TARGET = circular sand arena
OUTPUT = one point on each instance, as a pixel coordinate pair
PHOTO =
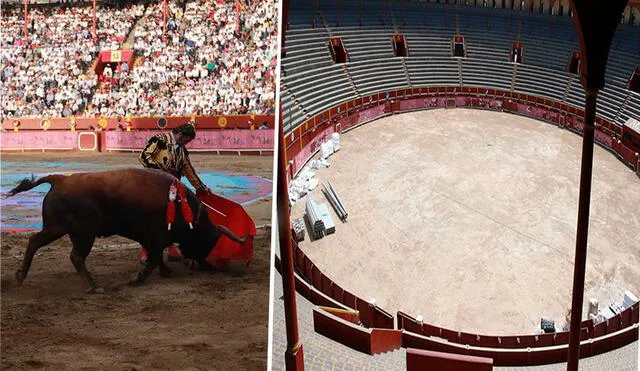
(468, 218)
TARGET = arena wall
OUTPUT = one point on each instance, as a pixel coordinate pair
(504, 350)
(236, 140)
(304, 141)
(141, 123)
(626, 318)
(418, 359)
(220, 134)
(328, 322)
(40, 140)
(525, 356)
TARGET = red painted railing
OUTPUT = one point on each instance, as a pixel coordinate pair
(303, 141)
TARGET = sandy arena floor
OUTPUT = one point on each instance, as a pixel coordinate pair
(468, 218)
(192, 320)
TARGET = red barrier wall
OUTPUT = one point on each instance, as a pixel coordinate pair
(369, 341)
(418, 360)
(525, 356)
(385, 340)
(303, 141)
(348, 315)
(236, 140)
(370, 315)
(344, 332)
(145, 123)
(376, 318)
(89, 141)
(39, 140)
(625, 319)
(505, 350)
(309, 292)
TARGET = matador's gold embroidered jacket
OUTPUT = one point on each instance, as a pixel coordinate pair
(163, 153)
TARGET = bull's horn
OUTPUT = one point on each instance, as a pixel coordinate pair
(230, 234)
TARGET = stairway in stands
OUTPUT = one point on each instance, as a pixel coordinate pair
(91, 71)
(130, 40)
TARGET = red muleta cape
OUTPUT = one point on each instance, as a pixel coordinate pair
(237, 220)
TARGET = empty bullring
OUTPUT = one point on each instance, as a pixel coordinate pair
(320, 97)
(467, 218)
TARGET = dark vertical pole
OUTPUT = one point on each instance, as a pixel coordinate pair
(596, 22)
(338, 10)
(293, 356)
(583, 228)
(362, 10)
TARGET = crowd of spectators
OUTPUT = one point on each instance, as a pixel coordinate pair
(217, 57)
(210, 61)
(44, 73)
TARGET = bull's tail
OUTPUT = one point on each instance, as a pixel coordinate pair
(228, 233)
(27, 184)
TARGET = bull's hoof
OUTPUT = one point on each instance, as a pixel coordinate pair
(20, 276)
(95, 290)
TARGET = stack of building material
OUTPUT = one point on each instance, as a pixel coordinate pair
(329, 225)
(629, 299)
(615, 308)
(298, 229)
(305, 182)
(326, 149)
(335, 201)
(314, 217)
(547, 325)
(593, 308)
(335, 138)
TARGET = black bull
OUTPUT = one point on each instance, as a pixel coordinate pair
(131, 203)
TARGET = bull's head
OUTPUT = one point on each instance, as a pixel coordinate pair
(197, 243)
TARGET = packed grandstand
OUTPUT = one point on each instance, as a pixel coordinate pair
(214, 57)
